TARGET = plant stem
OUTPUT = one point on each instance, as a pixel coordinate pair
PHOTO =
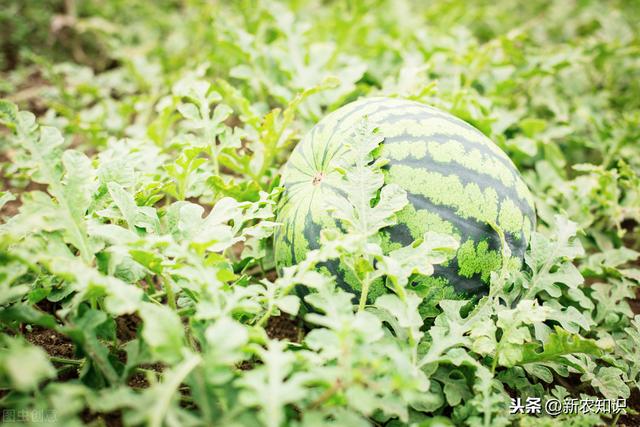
(364, 294)
(66, 361)
(265, 316)
(170, 386)
(214, 159)
(326, 395)
(171, 298)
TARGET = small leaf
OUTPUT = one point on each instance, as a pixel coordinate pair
(25, 365)
(559, 344)
(532, 126)
(163, 331)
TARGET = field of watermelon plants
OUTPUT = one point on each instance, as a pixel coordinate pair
(180, 246)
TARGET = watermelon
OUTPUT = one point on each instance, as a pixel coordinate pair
(457, 182)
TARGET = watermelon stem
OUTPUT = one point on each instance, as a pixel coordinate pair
(363, 294)
(168, 287)
(505, 251)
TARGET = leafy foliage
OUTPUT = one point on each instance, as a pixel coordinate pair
(139, 197)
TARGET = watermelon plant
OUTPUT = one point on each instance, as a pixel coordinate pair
(312, 213)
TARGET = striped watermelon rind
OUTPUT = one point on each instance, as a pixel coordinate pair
(457, 181)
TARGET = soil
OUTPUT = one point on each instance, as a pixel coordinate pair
(285, 327)
(138, 380)
(112, 419)
(54, 343)
(635, 304)
(127, 327)
(631, 420)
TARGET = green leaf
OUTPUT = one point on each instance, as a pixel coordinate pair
(163, 331)
(28, 314)
(84, 332)
(550, 259)
(211, 233)
(405, 312)
(70, 181)
(558, 344)
(78, 183)
(270, 387)
(25, 365)
(608, 380)
(189, 111)
(225, 338)
(419, 258)
(8, 113)
(361, 183)
(125, 203)
(532, 126)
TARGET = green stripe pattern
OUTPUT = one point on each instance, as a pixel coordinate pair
(458, 182)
